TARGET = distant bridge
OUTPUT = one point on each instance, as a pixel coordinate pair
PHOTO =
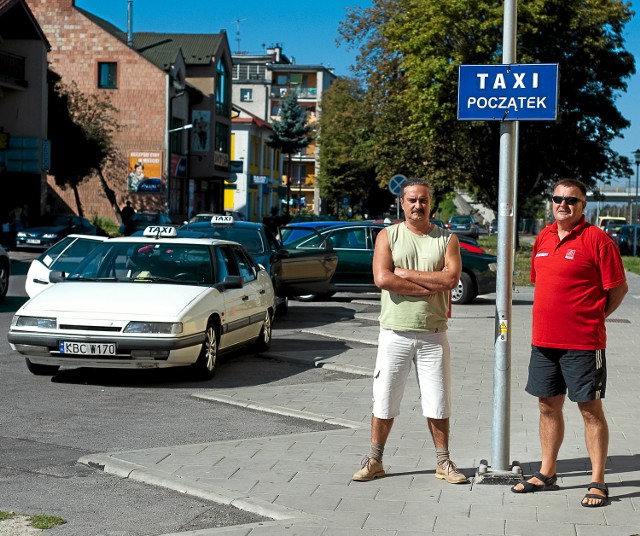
(615, 194)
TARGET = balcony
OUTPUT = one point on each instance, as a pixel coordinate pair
(12, 72)
(280, 92)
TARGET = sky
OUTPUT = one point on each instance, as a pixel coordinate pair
(308, 32)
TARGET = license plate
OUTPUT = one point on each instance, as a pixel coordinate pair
(88, 348)
(32, 241)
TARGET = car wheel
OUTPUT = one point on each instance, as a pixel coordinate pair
(283, 307)
(205, 366)
(465, 291)
(264, 339)
(41, 370)
(4, 281)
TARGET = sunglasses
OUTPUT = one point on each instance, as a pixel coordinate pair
(558, 199)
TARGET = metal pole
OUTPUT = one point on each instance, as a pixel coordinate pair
(635, 220)
(502, 364)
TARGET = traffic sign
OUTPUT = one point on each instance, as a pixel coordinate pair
(525, 92)
(396, 183)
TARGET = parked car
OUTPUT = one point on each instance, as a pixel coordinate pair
(625, 239)
(5, 273)
(153, 301)
(293, 231)
(141, 220)
(612, 230)
(52, 228)
(64, 256)
(493, 227)
(354, 244)
(314, 268)
(463, 225)
(206, 216)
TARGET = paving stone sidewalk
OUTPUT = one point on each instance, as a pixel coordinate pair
(303, 481)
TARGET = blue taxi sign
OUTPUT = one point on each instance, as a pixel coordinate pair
(525, 92)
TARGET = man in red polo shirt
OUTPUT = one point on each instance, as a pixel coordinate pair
(580, 280)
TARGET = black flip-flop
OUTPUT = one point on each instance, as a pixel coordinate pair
(603, 499)
(548, 484)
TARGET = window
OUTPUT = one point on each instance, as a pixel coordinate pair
(107, 75)
(248, 269)
(246, 95)
(222, 98)
(222, 138)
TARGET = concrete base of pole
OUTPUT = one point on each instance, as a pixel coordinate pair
(486, 475)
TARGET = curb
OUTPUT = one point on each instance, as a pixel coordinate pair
(133, 471)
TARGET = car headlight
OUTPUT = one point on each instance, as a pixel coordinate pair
(493, 266)
(21, 234)
(34, 322)
(165, 328)
(50, 235)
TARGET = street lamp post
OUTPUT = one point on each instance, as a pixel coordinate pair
(636, 155)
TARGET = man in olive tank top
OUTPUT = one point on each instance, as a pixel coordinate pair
(415, 264)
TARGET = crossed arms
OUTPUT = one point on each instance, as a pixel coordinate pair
(414, 282)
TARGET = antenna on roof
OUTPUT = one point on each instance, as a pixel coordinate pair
(238, 20)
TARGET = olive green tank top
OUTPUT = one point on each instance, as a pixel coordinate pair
(425, 253)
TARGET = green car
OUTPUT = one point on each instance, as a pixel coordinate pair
(353, 242)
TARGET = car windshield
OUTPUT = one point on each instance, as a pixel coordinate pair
(251, 239)
(460, 219)
(147, 261)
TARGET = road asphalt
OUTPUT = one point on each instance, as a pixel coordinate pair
(302, 482)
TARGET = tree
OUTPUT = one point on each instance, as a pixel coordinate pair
(291, 133)
(347, 166)
(81, 137)
(427, 40)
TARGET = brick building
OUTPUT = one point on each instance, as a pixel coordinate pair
(167, 88)
(23, 108)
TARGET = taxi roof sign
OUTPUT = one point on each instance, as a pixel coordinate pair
(160, 231)
(221, 218)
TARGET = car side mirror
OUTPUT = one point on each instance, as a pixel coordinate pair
(233, 281)
(55, 276)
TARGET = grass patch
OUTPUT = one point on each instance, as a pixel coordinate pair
(37, 521)
(45, 522)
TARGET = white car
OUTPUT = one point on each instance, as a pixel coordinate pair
(153, 301)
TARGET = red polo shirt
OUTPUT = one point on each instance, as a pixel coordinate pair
(572, 277)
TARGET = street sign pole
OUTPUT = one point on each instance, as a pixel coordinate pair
(396, 184)
(500, 471)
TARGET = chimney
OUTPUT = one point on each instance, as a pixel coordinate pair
(130, 23)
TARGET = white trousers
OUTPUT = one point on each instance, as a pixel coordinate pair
(431, 356)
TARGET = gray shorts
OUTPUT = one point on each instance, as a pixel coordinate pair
(430, 354)
(553, 371)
